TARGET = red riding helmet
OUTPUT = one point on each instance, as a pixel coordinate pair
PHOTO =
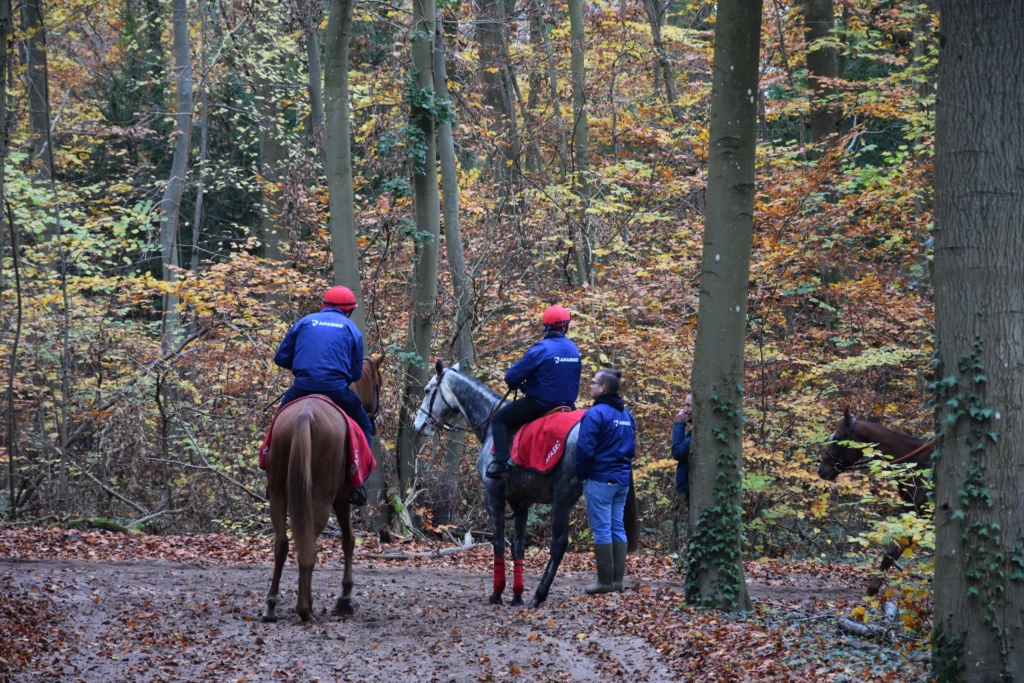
(556, 316)
(340, 297)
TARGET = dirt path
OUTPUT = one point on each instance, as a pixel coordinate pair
(161, 621)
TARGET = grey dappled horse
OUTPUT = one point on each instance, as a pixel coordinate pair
(450, 393)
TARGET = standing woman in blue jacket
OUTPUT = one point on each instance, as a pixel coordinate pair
(549, 376)
(605, 448)
(324, 351)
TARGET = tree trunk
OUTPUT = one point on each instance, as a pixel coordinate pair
(580, 140)
(979, 470)
(463, 340)
(426, 203)
(5, 229)
(654, 19)
(819, 18)
(714, 575)
(315, 75)
(204, 139)
(338, 149)
(556, 108)
(170, 205)
(36, 77)
(491, 33)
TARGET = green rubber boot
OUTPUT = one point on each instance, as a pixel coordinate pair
(619, 549)
(605, 570)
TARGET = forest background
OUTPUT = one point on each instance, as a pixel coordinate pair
(154, 254)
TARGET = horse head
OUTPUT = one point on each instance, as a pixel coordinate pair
(838, 457)
(439, 405)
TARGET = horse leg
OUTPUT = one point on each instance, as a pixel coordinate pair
(278, 517)
(521, 513)
(889, 560)
(559, 543)
(345, 606)
(496, 508)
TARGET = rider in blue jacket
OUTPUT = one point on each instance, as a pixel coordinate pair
(324, 351)
(548, 375)
(605, 447)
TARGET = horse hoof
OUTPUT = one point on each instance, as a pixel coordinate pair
(269, 619)
(495, 599)
(874, 586)
(535, 603)
(517, 601)
(345, 609)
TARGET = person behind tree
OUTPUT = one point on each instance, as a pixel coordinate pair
(605, 448)
(549, 376)
(682, 435)
(324, 351)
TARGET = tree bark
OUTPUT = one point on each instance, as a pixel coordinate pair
(272, 149)
(426, 202)
(714, 557)
(492, 34)
(580, 139)
(556, 108)
(204, 140)
(463, 339)
(6, 228)
(170, 205)
(36, 77)
(819, 18)
(654, 19)
(338, 149)
(314, 73)
(979, 211)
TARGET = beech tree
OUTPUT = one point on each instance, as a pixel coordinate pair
(979, 388)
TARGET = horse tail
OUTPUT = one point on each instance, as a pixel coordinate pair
(300, 482)
(631, 519)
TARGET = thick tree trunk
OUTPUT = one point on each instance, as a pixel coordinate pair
(492, 34)
(580, 139)
(204, 139)
(36, 77)
(338, 149)
(314, 74)
(714, 557)
(170, 205)
(427, 207)
(445, 497)
(819, 18)
(979, 469)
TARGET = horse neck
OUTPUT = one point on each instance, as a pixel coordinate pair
(476, 402)
(892, 443)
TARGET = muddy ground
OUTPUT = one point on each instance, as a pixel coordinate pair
(160, 621)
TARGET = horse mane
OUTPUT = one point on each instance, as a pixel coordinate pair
(893, 432)
(474, 382)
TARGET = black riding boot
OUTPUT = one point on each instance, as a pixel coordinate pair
(497, 469)
(619, 549)
(357, 496)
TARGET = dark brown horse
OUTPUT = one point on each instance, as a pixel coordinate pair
(845, 453)
(307, 476)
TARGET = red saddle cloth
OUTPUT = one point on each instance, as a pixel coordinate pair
(539, 445)
(360, 459)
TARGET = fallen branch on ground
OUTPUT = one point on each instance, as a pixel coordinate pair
(863, 630)
(440, 552)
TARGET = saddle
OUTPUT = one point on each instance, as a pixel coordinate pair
(539, 445)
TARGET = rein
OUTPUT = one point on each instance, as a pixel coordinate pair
(910, 455)
(455, 428)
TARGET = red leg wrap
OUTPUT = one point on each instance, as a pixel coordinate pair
(499, 575)
(517, 577)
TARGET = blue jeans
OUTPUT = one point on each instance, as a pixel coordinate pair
(346, 399)
(606, 504)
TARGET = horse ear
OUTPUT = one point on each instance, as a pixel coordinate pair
(847, 418)
(456, 366)
(378, 360)
(438, 366)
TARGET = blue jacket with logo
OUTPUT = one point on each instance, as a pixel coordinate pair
(323, 350)
(606, 443)
(549, 372)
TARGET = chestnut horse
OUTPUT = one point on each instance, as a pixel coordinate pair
(842, 455)
(307, 476)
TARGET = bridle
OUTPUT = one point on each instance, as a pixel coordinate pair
(447, 427)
